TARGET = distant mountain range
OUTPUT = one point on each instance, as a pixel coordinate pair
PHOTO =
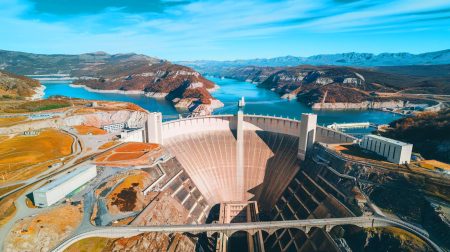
(340, 59)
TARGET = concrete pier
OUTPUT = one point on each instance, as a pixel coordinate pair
(240, 154)
(308, 124)
(153, 127)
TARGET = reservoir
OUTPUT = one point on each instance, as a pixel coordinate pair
(258, 101)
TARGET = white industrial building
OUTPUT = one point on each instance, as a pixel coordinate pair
(394, 151)
(54, 191)
(115, 127)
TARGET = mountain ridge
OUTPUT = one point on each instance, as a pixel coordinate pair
(338, 59)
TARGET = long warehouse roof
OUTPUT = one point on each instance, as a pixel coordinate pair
(64, 178)
(389, 140)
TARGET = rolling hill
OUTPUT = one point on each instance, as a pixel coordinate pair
(14, 86)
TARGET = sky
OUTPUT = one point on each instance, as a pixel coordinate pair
(224, 30)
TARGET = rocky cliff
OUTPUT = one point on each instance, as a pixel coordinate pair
(336, 87)
(134, 119)
(311, 84)
(161, 79)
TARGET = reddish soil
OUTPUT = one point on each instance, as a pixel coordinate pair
(129, 154)
(124, 156)
(133, 147)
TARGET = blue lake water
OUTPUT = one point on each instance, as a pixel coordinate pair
(151, 104)
(258, 101)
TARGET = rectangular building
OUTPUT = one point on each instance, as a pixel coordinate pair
(54, 191)
(115, 127)
(394, 151)
(133, 135)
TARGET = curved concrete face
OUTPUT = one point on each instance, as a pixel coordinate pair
(210, 160)
(208, 149)
(270, 163)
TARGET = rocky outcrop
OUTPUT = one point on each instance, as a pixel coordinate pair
(134, 119)
(153, 242)
(151, 79)
(17, 86)
(197, 109)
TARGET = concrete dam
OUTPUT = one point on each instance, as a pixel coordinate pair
(255, 163)
(250, 183)
(236, 159)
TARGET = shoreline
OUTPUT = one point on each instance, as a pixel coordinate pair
(38, 93)
(155, 95)
(111, 91)
(214, 89)
(209, 108)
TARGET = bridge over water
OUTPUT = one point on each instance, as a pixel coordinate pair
(251, 227)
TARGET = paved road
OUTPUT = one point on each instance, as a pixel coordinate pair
(251, 227)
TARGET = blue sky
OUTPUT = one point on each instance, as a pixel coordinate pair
(190, 30)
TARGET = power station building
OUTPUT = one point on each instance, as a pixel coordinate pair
(54, 191)
(394, 151)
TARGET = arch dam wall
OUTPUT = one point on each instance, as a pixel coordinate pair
(207, 149)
